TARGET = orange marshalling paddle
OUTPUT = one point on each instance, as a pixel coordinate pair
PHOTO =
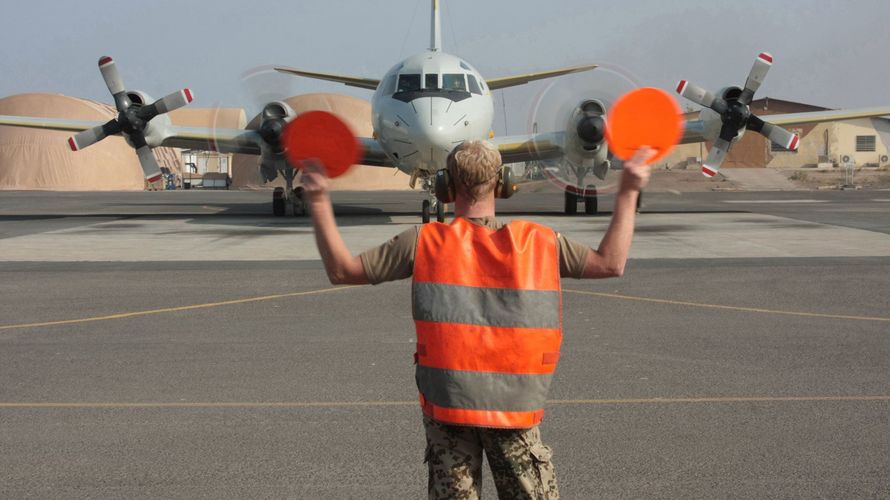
(322, 136)
(644, 117)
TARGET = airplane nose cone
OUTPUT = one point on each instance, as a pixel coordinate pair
(439, 128)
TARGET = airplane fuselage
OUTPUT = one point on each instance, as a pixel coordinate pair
(425, 106)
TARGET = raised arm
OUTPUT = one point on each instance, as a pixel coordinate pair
(609, 259)
(341, 266)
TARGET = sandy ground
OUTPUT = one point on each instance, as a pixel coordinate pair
(864, 178)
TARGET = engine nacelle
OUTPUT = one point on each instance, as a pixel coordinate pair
(585, 147)
(158, 128)
(275, 116)
(713, 122)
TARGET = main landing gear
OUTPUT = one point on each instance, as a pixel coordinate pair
(588, 196)
(284, 197)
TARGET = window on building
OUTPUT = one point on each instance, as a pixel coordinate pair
(779, 148)
(431, 81)
(865, 144)
(408, 83)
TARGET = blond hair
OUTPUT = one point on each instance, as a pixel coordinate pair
(473, 167)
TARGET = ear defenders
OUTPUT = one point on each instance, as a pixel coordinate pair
(445, 191)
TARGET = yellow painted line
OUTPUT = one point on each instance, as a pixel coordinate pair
(175, 309)
(728, 308)
(366, 404)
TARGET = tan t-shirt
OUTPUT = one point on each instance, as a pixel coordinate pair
(394, 260)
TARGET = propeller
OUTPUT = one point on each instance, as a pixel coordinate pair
(266, 91)
(734, 109)
(132, 119)
(575, 108)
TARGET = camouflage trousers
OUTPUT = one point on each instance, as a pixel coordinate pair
(520, 462)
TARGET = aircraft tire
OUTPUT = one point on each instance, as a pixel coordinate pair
(590, 200)
(278, 204)
(571, 207)
(440, 212)
(425, 211)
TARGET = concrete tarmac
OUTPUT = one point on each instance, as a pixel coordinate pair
(188, 345)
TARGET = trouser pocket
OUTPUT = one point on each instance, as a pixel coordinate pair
(542, 459)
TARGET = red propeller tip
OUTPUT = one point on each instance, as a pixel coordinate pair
(153, 178)
(72, 144)
(707, 171)
(766, 57)
(104, 60)
(794, 143)
(188, 95)
(681, 86)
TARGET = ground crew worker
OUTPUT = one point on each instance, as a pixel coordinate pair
(487, 310)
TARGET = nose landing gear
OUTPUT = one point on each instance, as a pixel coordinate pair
(431, 204)
(427, 207)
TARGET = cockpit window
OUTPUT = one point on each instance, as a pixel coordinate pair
(408, 83)
(431, 81)
(389, 85)
(474, 85)
(454, 81)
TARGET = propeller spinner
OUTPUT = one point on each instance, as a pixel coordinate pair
(131, 120)
(734, 109)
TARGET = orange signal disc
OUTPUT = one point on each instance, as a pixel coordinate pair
(321, 135)
(644, 117)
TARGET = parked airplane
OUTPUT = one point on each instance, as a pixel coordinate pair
(421, 109)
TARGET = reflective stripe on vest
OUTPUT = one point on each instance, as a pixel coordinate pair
(487, 309)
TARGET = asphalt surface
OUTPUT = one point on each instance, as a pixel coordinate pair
(762, 370)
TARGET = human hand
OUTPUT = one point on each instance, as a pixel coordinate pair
(315, 179)
(636, 171)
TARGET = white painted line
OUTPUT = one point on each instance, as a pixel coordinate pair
(881, 200)
(776, 201)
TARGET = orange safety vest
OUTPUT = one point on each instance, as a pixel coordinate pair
(488, 312)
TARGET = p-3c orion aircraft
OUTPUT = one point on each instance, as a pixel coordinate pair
(422, 108)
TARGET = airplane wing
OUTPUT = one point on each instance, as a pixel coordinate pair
(352, 81)
(694, 129)
(224, 140)
(790, 119)
(61, 125)
(512, 81)
(520, 148)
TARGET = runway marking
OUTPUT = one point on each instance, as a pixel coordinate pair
(777, 201)
(881, 200)
(174, 309)
(365, 404)
(728, 308)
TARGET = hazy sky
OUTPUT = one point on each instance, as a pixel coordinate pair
(829, 53)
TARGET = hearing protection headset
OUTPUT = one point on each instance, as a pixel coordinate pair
(445, 191)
